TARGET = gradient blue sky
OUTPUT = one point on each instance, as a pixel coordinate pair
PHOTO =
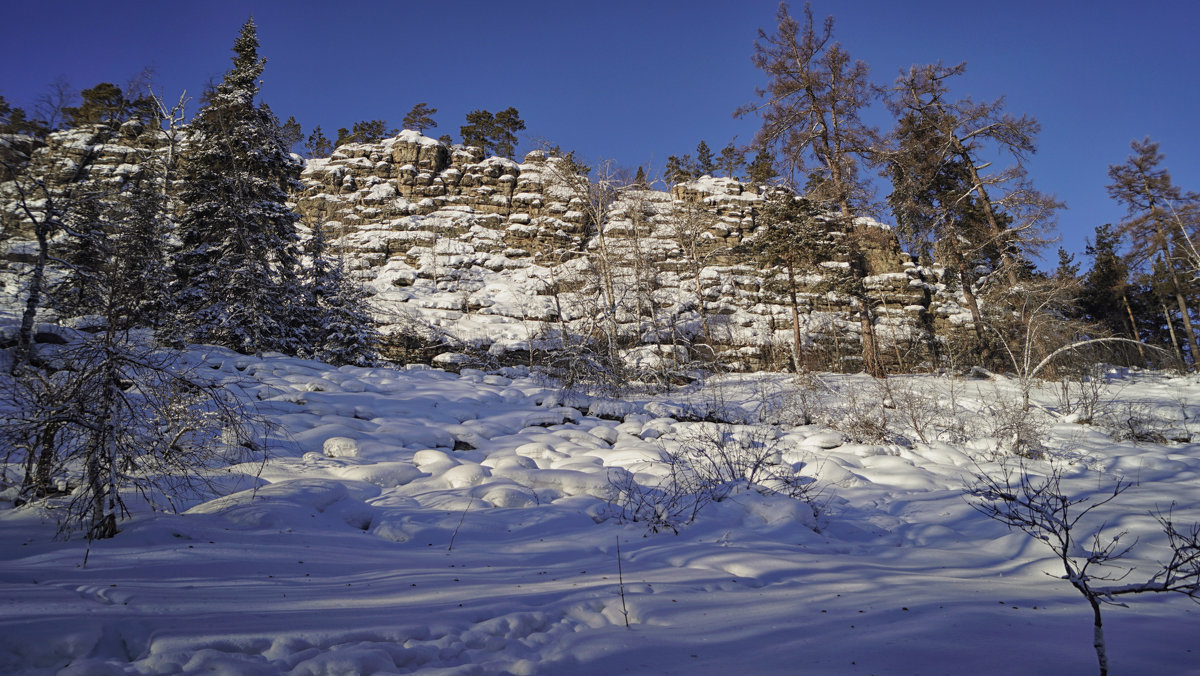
(636, 81)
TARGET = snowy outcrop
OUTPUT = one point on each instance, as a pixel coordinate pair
(491, 252)
(463, 252)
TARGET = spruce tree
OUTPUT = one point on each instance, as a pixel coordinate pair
(344, 332)
(1103, 297)
(236, 271)
(704, 160)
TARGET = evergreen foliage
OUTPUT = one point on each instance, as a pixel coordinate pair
(420, 118)
(1158, 229)
(318, 144)
(344, 331)
(236, 271)
(677, 170)
(1104, 289)
(108, 104)
(365, 131)
(495, 134)
(731, 159)
(761, 169)
(795, 238)
(639, 179)
(291, 133)
(704, 160)
(14, 120)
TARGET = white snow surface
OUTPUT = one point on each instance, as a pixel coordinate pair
(374, 546)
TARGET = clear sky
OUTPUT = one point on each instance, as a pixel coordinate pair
(638, 80)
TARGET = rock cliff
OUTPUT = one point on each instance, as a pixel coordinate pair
(464, 253)
(493, 253)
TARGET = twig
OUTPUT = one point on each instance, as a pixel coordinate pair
(460, 523)
(621, 583)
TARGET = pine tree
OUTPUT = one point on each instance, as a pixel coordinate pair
(795, 238)
(508, 123)
(674, 172)
(639, 179)
(1103, 296)
(236, 271)
(364, 131)
(731, 160)
(291, 132)
(102, 104)
(762, 168)
(478, 130)
(14, 120)
(318, 144)
(1014, 214)
(495, 134)
(420, 118)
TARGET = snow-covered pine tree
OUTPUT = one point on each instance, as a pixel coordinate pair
(345, 332)
(237, 269)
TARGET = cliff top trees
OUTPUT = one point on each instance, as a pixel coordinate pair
(420, 118)
(496, 134)
(364, 131)
(108, 104)
(236, 270)
(318, 145)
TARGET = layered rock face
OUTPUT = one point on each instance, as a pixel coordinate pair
(499, 258)
(500, 255)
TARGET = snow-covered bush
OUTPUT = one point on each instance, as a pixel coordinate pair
(1083, 392)
(105, 420)
(1138, 421)
(708, 463)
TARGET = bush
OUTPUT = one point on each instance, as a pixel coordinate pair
(711, 462)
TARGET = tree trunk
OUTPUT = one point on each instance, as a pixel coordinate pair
(1133, 329)
(797, 355)
(993, 222)
(870, 348)
(1193, 345)
(1174, 339)
(1098, 637)
(25, 336)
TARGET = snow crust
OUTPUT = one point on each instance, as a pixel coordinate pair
(418, 521)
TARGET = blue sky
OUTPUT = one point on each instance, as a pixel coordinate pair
(638, 81)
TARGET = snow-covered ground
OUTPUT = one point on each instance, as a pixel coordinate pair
(374, 546)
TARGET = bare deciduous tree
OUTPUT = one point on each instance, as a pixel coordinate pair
(811, 112)
(1042, 508)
